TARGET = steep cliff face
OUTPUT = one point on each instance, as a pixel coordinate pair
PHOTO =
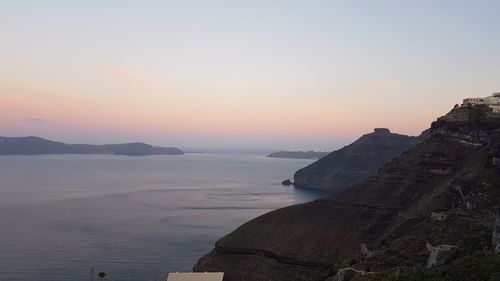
(349, 165)
(440, 192)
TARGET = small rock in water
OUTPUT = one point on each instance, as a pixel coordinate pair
(286, 182)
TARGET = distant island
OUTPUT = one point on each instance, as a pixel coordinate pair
(36, 145)
(298, 154)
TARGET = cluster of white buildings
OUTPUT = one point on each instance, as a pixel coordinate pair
(492, 101)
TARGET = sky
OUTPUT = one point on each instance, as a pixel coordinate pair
(240, 74)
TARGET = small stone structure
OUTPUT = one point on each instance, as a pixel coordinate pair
(473, 101)
(381, 131)
(492, 101)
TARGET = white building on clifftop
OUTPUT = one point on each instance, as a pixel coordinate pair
(492, 101)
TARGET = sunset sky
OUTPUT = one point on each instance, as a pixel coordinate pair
(240, 74)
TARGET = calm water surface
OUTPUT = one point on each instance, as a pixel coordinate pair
(136, 218)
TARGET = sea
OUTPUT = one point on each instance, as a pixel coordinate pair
(69, 217)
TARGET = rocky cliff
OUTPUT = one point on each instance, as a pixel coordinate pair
(351, 164)
(432, 206)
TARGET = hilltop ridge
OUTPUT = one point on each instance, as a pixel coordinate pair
(351, 164)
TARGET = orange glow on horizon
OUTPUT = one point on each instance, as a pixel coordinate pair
(193, 115)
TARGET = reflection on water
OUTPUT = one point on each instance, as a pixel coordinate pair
(132, 217)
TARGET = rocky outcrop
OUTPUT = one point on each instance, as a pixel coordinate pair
(390, 213)
(36, 145)
(476, 125)
(349, 165)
